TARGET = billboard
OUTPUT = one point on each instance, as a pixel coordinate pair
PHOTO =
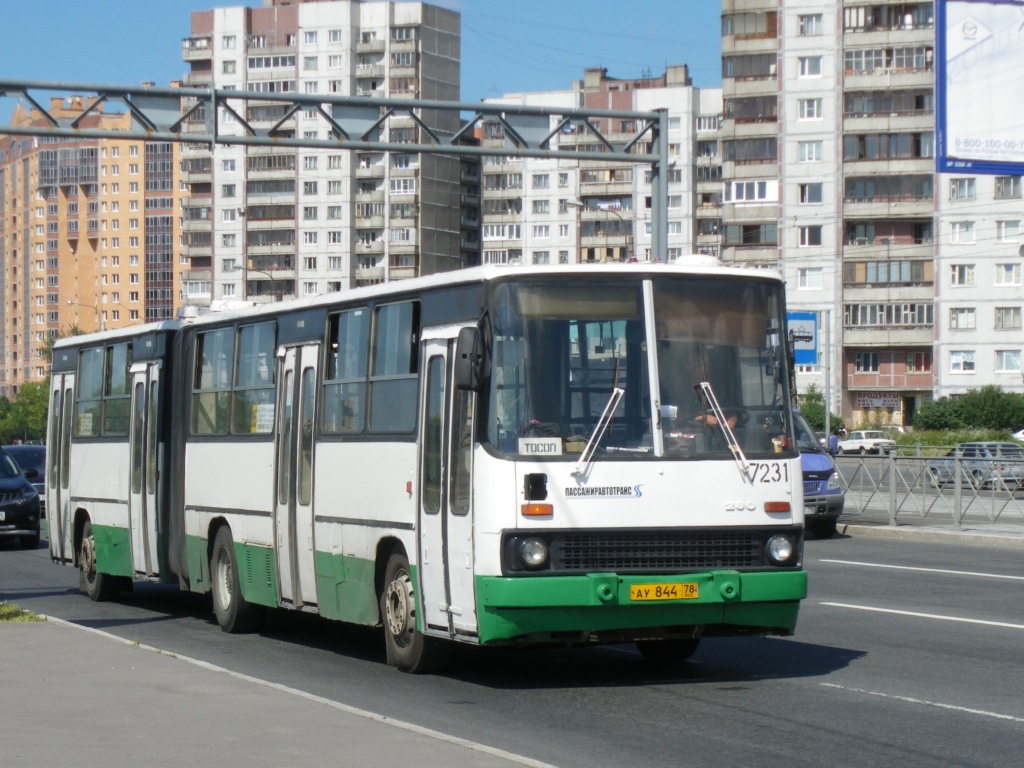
(979, 83)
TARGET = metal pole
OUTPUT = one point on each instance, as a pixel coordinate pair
(828, 374)
(659, 190)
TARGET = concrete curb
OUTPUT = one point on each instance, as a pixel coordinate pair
(967, 536)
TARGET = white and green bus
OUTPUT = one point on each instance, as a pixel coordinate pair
(500, 455)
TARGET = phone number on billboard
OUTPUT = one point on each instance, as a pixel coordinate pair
(1009, 146)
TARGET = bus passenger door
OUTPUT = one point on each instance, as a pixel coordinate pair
(143, 470)
(293, 518)
(446, 512)
(58, 456)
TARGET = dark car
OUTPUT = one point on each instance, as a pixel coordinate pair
(19, 504)
(32, 459)
(823, 495)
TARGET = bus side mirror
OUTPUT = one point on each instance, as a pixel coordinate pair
(470, 367)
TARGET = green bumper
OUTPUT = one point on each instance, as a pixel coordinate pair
(543, 608)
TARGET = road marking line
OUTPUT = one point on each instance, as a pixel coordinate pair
(940, 705)
(366, 714)
(926, 615)
(924, 570)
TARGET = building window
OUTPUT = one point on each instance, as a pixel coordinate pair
(961, 361)
(542, 257)
(1008, 360)
(962, 318)
(542, 231)
(309, 213)
(540, 181)
(811, 109)
(962, 189)
(811, 194)
(1008, 187)
(228, 67)
(868, 362)
(810, 66)
(810, 24)
(751, 192)
(227, 42)
(1007, 318)
(810, 278)
(919, 362)
(1008, 274)
(1008, 231)
(961, 232)
(309, 63)
(810, 151)
(810, 236)
(541, 206)
(961, 274)
(310, 36)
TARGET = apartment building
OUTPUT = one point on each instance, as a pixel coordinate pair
(548, 211)
(829, 175)
(88, 235)
(266, 223)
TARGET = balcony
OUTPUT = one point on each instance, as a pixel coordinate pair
(370, 273)
(197, 48)
(888, 337)
(370, 248)
(370, 171)
(370, 46)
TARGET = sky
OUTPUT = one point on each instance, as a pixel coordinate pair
(508, 46)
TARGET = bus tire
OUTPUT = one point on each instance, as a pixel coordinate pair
(407, 648)
(100, 587)
(234, 614)
(671, 651)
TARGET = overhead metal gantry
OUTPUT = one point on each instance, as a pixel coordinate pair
(211, 116)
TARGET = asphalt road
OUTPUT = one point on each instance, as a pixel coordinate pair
(907, 653)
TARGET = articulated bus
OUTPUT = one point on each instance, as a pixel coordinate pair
(499, 455)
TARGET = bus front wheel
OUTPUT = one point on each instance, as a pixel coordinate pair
(234, 614)
(98, 586)
(406, 647)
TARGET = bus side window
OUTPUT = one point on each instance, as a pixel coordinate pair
(344, 398)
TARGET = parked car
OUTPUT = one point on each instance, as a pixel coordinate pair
(823, 495)
(982, 465)
(1018, 435)
(19, 504)
(866, 441)
(32, 459)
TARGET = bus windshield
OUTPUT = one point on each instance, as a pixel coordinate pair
(560, 351)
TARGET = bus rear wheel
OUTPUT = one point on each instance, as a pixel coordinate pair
(407, 648)
(100, 587)
(234, 614)
(673, 651)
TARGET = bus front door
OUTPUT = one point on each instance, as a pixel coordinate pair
(142, 506)
(58, 458)
(446, 511)
(293, 519)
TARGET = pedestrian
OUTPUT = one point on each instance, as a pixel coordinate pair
(833, 443)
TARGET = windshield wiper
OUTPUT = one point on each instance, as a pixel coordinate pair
(730, 438)
(599, 429)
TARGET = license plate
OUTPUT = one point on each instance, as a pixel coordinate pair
(679, 591)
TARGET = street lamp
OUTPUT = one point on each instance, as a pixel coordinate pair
(278, 295)
(99, 317)
(626, 229)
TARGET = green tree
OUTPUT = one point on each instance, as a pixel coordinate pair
(986, 408)
(27, 417)
(812, 406)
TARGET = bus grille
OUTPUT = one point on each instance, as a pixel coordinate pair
(656, 550)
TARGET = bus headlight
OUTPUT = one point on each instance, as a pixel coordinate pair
(534, 553)
(780, 549)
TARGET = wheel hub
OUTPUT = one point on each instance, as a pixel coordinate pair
(400, 613)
